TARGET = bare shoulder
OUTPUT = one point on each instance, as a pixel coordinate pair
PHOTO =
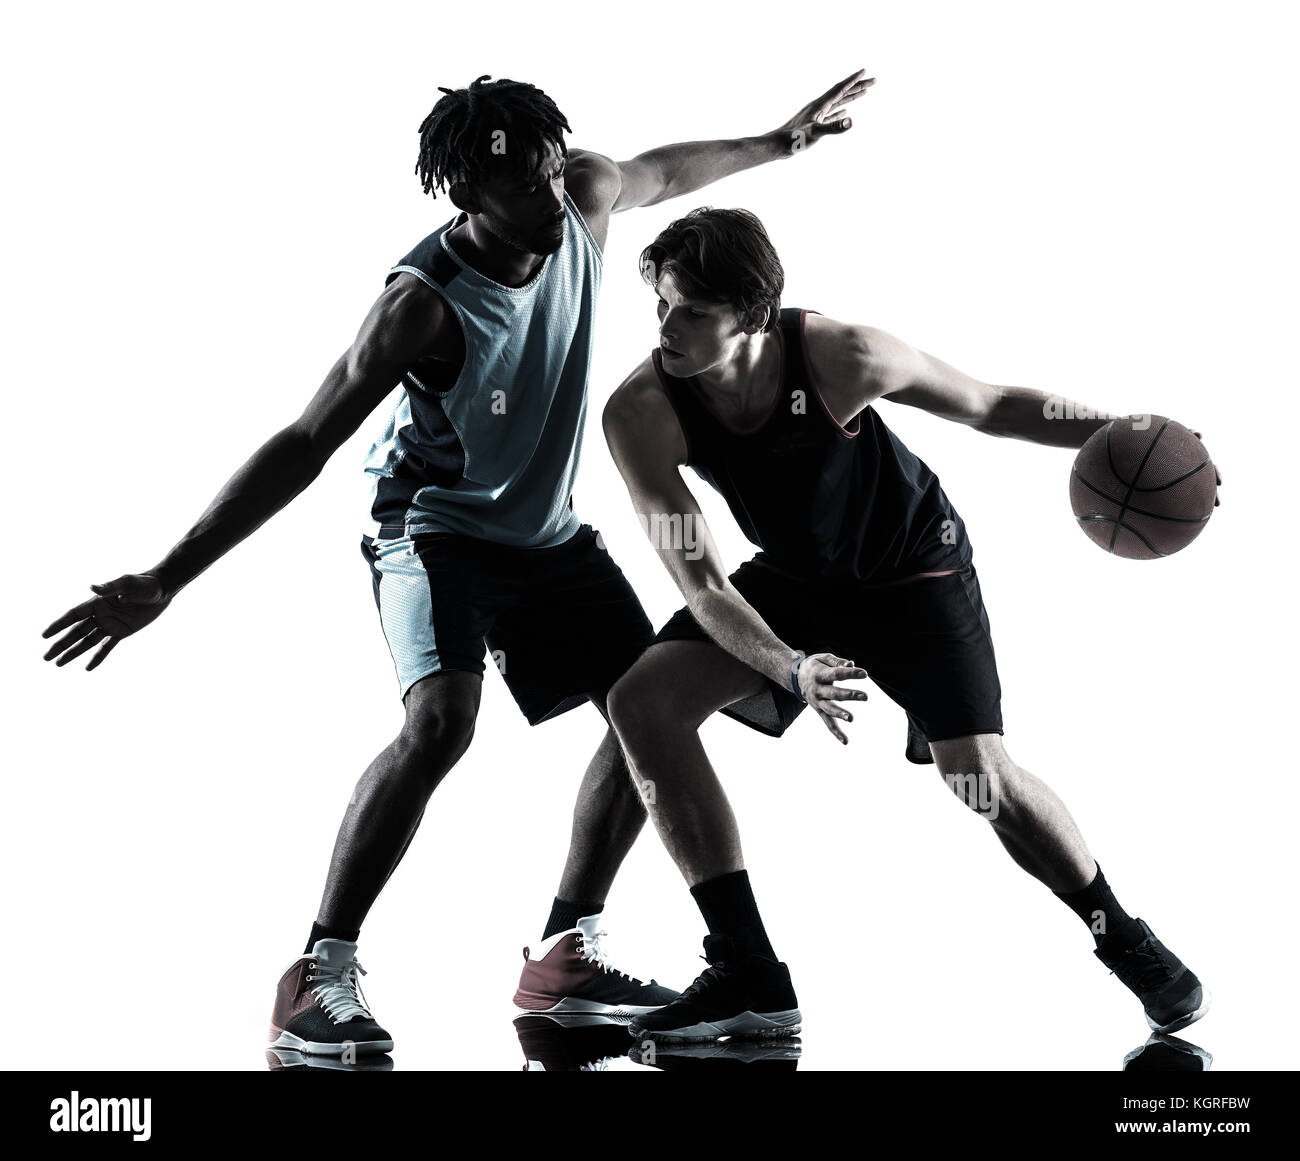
(411, 316)
(861, 360)
(640, 421)
(593, 181)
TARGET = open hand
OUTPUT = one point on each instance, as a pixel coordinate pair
(120, 608)
(817, 676)
(825, 114)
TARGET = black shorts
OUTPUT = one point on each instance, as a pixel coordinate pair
(562, 623)
(926, 643)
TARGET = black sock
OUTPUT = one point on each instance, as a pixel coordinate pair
(319, 932)
(565, 915)
(1097, 906)
(727, 904)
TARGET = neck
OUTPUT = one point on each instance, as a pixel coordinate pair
(746, 383)
(491, 257)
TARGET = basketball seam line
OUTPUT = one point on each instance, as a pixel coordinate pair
(1141, 511)
(1127, 528)
(1136, 476)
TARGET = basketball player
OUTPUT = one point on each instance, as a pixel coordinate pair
(865, 569)
(472, 540)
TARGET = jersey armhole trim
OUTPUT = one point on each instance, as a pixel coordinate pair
(586, 230)
(460, 322)
(812, 383)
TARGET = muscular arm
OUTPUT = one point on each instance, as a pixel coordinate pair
(853, 366)
(649, 449)
(402, 325)
(600, 186)
(407, 321)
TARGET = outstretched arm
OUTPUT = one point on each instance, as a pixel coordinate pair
(601, 186)
(853, 366)
(646, 441)
(402, 325)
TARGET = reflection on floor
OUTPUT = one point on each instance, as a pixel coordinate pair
(1162, 1053)
(590, 1043)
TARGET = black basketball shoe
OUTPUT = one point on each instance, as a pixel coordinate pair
(1171, 995)
(319, 1009)
(738, 994)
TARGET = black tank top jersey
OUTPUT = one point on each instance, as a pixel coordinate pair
(823, 502)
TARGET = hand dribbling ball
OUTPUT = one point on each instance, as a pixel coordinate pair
(1143, 487)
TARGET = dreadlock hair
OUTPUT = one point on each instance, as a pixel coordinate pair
(490, 126)
(719, 256)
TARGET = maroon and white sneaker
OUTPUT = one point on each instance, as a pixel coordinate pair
(319, 1008)
(570, 973)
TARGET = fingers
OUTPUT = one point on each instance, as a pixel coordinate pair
(77, 613)
(70, 638)
(845, 671)
(834, 729)
(88, 642)
(104, 651)
(843, 693)
(1218, 479)
(822, 129)
(854, 81)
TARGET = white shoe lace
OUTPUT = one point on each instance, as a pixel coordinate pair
(339, 992)
(594, 952)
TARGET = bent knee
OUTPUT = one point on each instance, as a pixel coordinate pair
(641, 712)
(981, 775)
(439, 723)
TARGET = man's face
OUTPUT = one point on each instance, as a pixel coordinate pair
(525, 210)
(695, 335)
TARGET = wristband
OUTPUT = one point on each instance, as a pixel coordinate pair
(794, 675)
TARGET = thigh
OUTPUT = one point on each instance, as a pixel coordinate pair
(783, 603)
(686, 681)
(928, 646)
(573, 627)
(434, 611)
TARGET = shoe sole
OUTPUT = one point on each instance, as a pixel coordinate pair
(572, 1007)
(318, 1048)
(748, 1025)
(1183, 1021)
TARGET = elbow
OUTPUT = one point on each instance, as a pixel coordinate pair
(302, 451)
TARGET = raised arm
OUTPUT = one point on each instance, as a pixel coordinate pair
(649, 448)
(601, 186)
(405, 322)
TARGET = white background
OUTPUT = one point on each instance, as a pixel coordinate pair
(201, 205)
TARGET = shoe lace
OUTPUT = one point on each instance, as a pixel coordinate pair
(339, 991)
(1144, 966)
(711, 975)
(594, 952)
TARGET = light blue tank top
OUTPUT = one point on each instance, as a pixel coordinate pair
(494, 455)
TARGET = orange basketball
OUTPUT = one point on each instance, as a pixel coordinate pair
(1143, 486)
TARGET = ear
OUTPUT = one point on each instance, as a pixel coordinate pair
(464, 198)
(756, 319)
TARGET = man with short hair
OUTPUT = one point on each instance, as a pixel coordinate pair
(862, 556)
(471, 539)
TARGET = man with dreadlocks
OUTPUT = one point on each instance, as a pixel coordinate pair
(471, 538)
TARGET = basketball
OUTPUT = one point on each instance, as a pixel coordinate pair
(1142, 487)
